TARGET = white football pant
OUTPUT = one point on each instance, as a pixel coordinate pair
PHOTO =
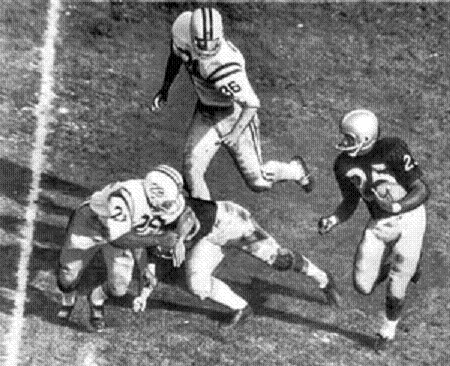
(400, 236)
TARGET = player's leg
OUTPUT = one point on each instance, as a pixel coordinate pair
(201, 262)
(261, 176)
(264, 247)
(82, 240)
(238, 226)
(368, 263)
(406, 256)
(202, 144)
(119, 266)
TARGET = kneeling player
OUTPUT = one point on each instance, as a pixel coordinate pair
(215, 225)
(364, 169)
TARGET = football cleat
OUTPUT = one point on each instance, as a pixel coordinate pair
(97, 315)
(381, 343)
(307, 182)
(238, 317)
(332, 293)
(64, 312)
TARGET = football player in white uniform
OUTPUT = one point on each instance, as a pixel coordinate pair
(226, 111)
(392, 242)
(117, 209)
(210, 226)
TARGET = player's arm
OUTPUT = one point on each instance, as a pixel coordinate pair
(147, 279)
(174, 63)
(417, 195)
(345, 209)
(132, 240)
(408, 172)
(237, 86)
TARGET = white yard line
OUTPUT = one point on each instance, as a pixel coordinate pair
(43, 115)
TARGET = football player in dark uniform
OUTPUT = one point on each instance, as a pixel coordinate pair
(392, 242)
(212, 225)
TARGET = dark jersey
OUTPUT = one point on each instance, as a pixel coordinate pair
(206, 212)
(389, 160)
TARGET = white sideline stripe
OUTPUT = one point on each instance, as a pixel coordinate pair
(43, 116)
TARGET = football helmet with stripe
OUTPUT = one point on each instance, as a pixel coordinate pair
(206, 32)
(360, 130)
(164, 190)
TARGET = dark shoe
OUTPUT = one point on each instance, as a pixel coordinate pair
(307, 182)
(381, 343)
(97, 315)
(239, 317)
(332, 293)
(64, 312)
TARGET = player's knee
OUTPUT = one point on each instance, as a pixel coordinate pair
(362, 284)
(199, 286)
(66, 282)
(118, 288)
(284, 260)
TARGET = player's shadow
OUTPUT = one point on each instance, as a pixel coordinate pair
(361, 338)
(45, 234)
(257, 291)
(15, 181)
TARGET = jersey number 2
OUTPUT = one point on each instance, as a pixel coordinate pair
(409, 163)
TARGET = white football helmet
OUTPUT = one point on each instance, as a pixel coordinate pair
(181, 35)
(206, 32)
(360, 130)
(164, 190)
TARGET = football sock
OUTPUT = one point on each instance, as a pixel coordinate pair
(98, 296)
(223, 294)
(311, 270)
(69, 298)
(388, 328)
(280, 171)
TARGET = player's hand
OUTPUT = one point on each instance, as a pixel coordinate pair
(385, 202)
(140, 302)
(326, 224)
(159, 100)
(179, 253)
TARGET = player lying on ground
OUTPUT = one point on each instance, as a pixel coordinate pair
(385, 175)
(226, 111)
(212, 226)
(108, 214)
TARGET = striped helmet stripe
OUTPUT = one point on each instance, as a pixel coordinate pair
(211, 23)
(204, 22)
(171, 173)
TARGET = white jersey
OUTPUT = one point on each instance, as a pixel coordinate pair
(219, 80)
(122, 207)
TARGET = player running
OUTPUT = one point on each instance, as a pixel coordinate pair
(211, 226)
(226, 110)
(392, 242)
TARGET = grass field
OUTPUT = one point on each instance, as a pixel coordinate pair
(309, 63)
